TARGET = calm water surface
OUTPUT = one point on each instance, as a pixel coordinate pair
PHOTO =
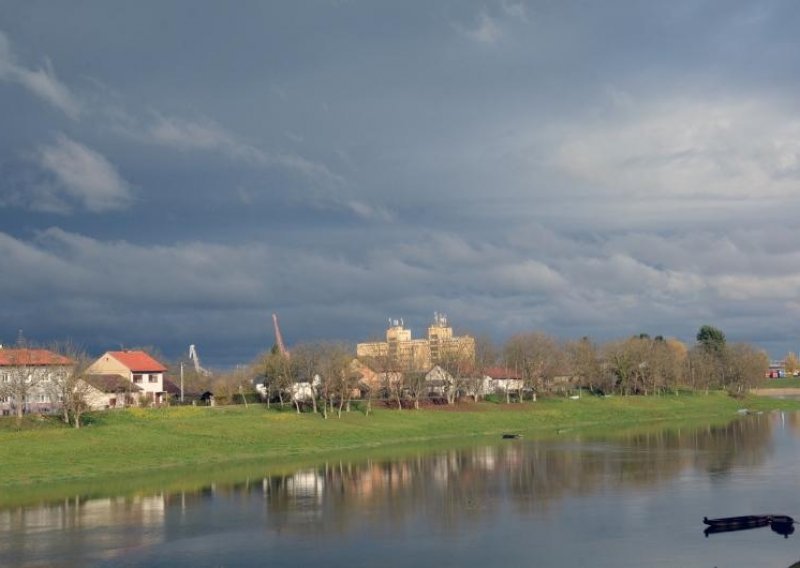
(632, 501)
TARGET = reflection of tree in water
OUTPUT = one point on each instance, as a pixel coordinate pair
(741, 443)
(456, 486)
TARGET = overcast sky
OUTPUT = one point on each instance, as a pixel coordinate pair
(175, 172)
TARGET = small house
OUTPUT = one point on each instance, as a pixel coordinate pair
(136, 367)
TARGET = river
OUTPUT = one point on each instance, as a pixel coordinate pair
(631, 500)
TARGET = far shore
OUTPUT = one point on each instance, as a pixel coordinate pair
(777, 392)
(123, 452)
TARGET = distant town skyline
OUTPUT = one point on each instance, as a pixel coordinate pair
(172, 173)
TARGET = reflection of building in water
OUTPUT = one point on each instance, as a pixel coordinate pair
(146, 511)
(403, 352)
(100, 525)
(306, 484)
(297, 497)
(486, 457)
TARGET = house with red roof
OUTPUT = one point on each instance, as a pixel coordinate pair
(137, 367)
(28, 380)
(502, 380)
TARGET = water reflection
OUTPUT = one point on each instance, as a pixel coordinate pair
(517, 488)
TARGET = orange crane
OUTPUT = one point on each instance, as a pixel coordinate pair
(278, 337)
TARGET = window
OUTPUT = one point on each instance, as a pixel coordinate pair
(153, 378)
(137, 379)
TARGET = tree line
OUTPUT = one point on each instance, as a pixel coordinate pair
(325, 376)
(536, 364)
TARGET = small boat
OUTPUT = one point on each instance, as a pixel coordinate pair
(781, 524)
(512, 436)
(738, 523)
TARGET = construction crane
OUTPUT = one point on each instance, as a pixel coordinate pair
(278, 337)
(195, 359)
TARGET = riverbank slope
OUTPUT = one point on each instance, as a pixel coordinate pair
(145, 442)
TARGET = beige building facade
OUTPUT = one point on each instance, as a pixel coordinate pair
(403, 353)
(136, 367)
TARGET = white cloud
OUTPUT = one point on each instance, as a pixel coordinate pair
(366, 211)
(516, 10)
(82, 175)
(687, 148)
(486, 30)
(41, 82)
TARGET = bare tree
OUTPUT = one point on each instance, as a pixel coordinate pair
(538, 357)
(625, 361)
(586, 365)
(278, 375)
(486, 356)
(459, 362)
(746, 367)
(67, 386)
(391, 377)
(416, 385)
(339, 379)
(306, 366)
(792, 363)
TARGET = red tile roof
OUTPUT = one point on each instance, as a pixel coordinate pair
(37, 357)
(502, 373)
(138, 361)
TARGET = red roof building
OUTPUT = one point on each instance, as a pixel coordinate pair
(138, 361)
(502, 373)
(32, 358)
(137, 367)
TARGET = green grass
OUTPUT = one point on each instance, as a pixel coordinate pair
(124, 450)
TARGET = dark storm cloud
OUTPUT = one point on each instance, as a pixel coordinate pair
(579, 168)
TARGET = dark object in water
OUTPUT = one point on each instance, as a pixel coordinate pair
(512, 436)
(781, 524)
(745, 522)
(726, 524)
(784, 529)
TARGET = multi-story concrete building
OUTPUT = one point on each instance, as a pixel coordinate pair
(401, 352)
(29, 380)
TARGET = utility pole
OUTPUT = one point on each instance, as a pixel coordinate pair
(181, 382)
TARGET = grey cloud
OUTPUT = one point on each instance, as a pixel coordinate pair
(191, 135)
(579, 168)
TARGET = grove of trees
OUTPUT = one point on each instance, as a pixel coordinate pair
(544, 365)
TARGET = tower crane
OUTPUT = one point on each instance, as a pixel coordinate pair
(278, 337)
(195, 359)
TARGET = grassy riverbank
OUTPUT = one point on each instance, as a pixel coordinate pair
(140, 444)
